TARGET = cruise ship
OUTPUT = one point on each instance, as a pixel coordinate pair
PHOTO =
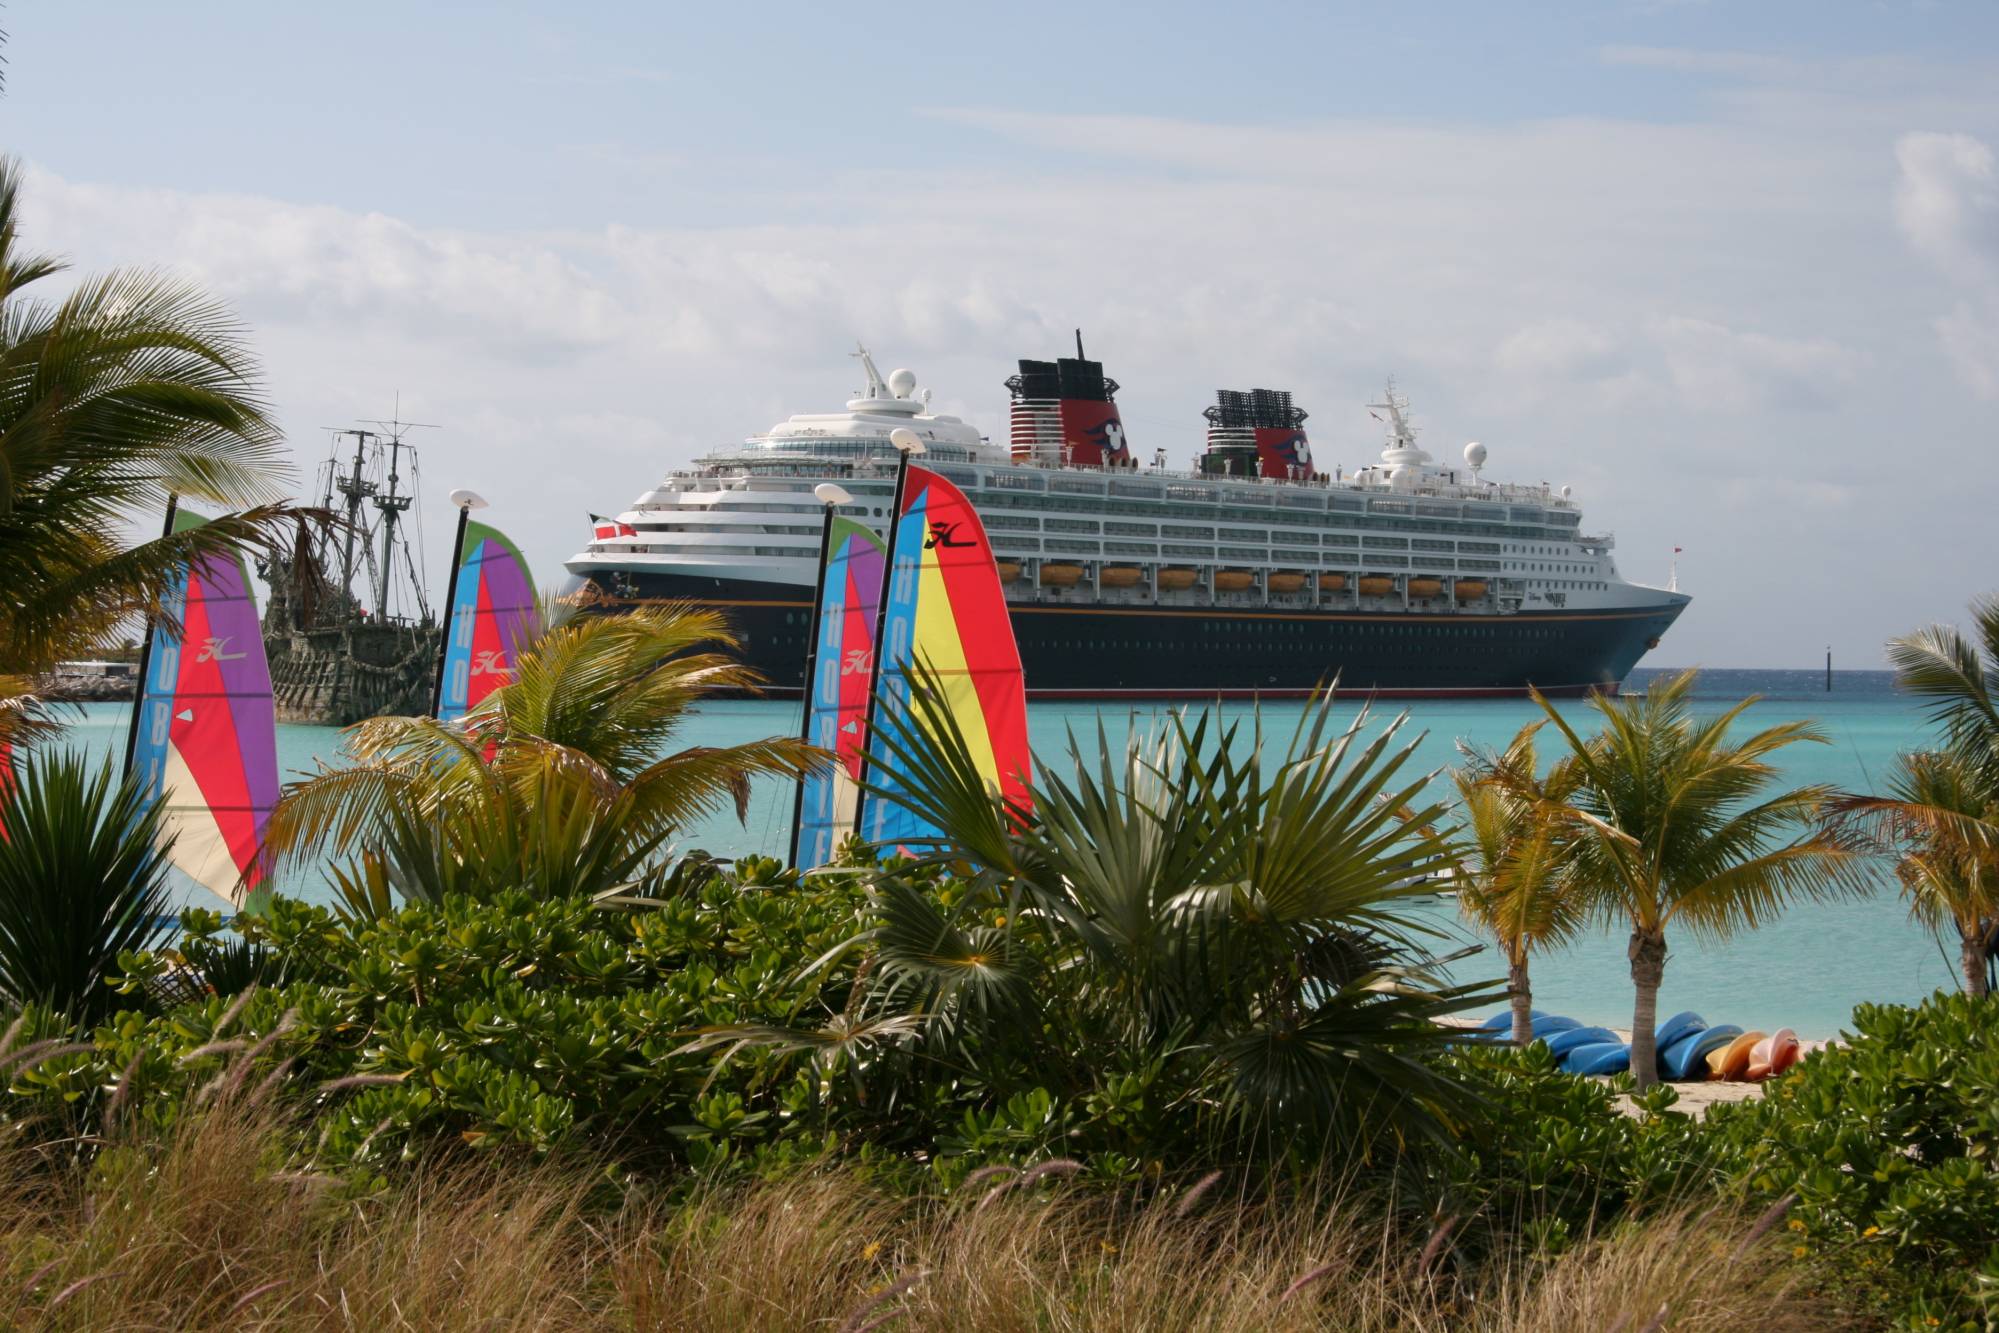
(1255, 573)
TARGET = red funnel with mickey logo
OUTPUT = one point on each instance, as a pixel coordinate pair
(1065, 415)
(1258, 433)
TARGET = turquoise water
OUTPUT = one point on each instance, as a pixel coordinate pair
(1806, 971)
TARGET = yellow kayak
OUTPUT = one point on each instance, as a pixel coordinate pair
(1731, 1062)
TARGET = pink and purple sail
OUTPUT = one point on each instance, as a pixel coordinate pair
(206, 746)
(493, 618)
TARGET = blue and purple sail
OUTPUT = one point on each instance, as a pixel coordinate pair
(843, 664)
(493, 618)
(206, 739)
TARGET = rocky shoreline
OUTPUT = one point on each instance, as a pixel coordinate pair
(74, 689)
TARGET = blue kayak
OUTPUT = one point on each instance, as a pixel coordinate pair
(1561, 1043)
(1547, 1025)
(1503, 1020)
(1609, 1057)
(1676, 1027)
(1686, 1059)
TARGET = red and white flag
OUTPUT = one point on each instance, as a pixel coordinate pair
(611, 527)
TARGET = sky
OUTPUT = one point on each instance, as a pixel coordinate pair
(1728, 269)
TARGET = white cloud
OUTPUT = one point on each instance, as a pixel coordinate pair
(1947, 202)
(1648, 311)
(1715, 368)
(1565, 349)
(1947, 206)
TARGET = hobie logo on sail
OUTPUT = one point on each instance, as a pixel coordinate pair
(859, 661)
(216, 649)
(944, 534)
(489, 662)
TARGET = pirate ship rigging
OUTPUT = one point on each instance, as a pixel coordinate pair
(348, 630)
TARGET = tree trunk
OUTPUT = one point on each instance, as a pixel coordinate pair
(1647, 953)
(1522, 999)
(1971, 961)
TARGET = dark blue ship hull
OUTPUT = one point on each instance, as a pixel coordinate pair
(1080, 651)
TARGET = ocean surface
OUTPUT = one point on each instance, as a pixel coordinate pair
(1805, 971)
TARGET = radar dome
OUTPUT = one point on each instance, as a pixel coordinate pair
(1475, 454)
(1565, 492)
(902, 383)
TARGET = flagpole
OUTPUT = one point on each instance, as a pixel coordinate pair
(832, 497)
(146, 652)
(906, 445)
(466, 501)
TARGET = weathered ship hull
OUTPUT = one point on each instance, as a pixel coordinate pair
(339, 675)
(1165, 652)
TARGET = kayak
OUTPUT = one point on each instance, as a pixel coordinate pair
(1731, 1062)
(1547, 1025)
(1503, 1020)
(1561, 1043)
(1610, 1057)
(1686, 1059)
(1676, 1027)
(1773, 1055)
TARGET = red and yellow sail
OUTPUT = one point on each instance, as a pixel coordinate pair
(946, 611)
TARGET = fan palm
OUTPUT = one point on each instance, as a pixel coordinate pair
(129, 388)
(1188, 899)
(1672, 824)
(561, 783)
(1512, 885)
(83, 877)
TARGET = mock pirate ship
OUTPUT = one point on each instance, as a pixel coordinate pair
(348, 631)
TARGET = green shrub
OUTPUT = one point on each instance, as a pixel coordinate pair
(1890, 1141)
(1554, 1152)
(528, 1022)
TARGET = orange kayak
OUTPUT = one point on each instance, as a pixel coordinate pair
(1731, 1062)
(1773, 1055)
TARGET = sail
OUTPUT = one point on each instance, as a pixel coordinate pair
(493, 617)
(843, 662)
(207, 747)
(947, 612)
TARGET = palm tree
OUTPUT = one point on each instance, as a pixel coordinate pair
(129, 388)
(1941, 812)
(1949, 870)
(561, 783)
(1234, 913)
(1512, 884)
(1672, 824)
(1958, 676)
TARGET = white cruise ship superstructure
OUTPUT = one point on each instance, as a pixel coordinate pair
(1256, 573)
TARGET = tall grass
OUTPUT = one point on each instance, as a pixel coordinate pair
(206, 1228)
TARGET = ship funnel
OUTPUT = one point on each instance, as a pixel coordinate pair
(1258, 433)
(1065, 414)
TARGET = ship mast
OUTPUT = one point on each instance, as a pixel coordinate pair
(373, 478)
(354, 487)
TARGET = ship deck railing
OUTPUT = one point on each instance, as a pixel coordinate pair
(880, 466)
